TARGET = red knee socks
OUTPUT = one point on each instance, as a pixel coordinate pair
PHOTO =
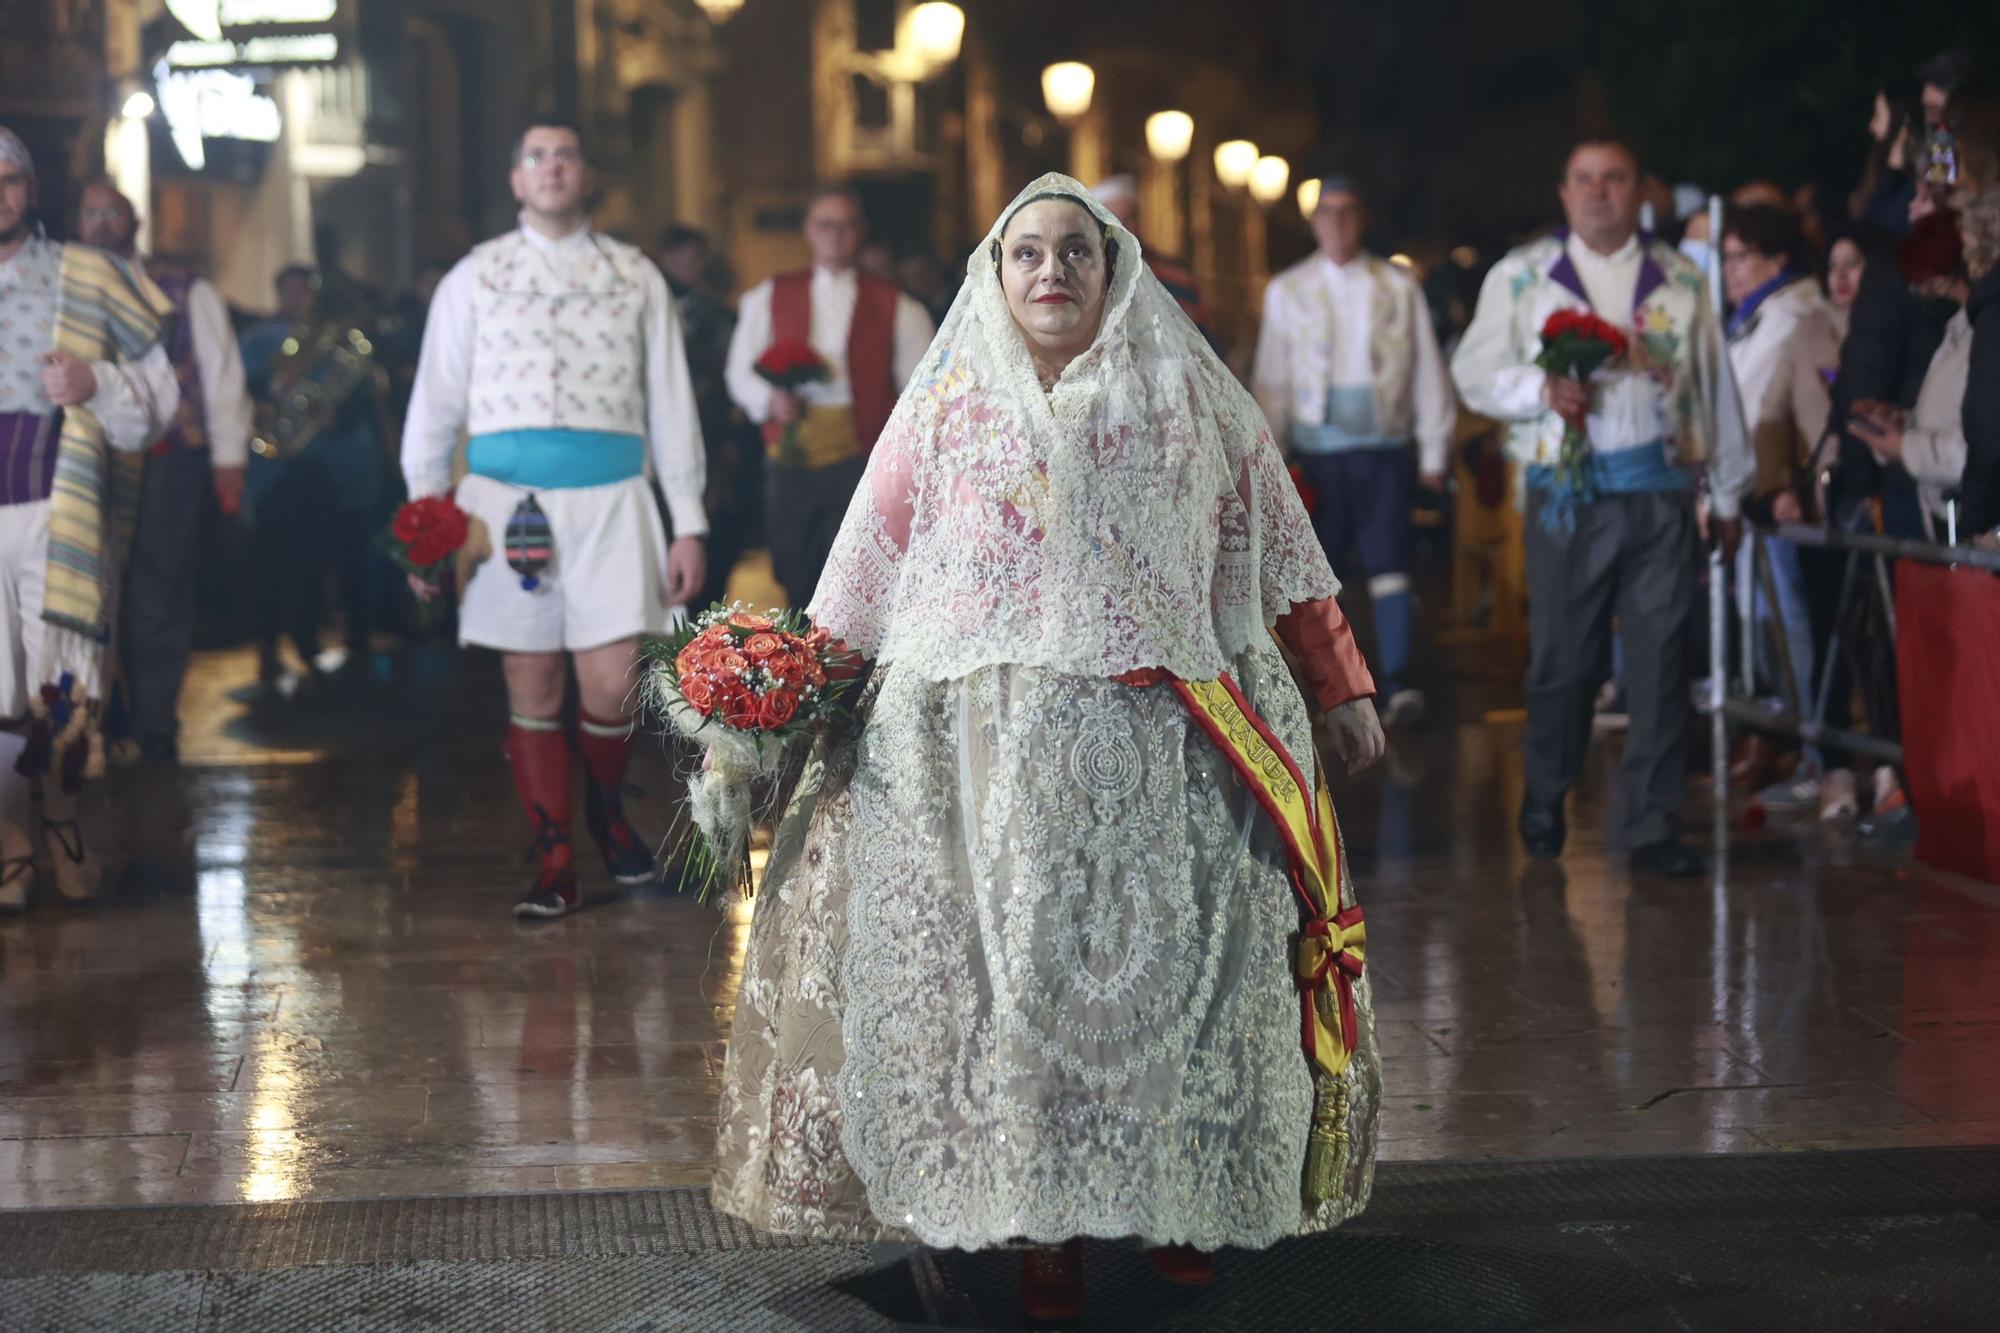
(606, 748)
(539, 753)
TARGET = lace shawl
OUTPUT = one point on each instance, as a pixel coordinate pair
(1138, 514)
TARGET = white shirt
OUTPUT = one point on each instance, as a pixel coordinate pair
(225, 400)
(438, 400)
(135, 399)
(1353, 294)
(833, 298)
(1610, 281)
(1627, 407)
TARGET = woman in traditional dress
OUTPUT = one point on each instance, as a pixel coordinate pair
(1023, 969)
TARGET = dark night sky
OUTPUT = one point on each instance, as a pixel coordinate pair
(1714, 91)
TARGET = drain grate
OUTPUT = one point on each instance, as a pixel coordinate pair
(1863, 1239)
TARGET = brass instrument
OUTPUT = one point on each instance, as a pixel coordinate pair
(313, 379)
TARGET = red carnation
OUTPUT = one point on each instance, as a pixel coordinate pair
(426, 533)
(789, 362)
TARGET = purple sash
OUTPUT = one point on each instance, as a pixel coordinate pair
(27, 457)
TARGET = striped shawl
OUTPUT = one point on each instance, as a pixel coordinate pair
(106, 310)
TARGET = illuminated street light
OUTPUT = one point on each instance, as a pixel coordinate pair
(1234, 161)
(1066, 88)
(1308, 196)
(1269, 178)
(935, 31)
(720, 11)
(1169, 135)
(138, 106)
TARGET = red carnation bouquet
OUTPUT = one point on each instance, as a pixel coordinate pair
(787, 364)
(424, 538)
(740, 684)
(1576, 344)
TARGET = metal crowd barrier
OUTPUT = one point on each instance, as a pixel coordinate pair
(1867, 563)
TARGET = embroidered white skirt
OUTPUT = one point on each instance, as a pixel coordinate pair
(1021, 970)
(603, 582)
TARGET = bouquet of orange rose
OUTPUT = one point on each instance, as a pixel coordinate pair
(741, 684)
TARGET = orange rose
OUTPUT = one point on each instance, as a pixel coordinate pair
(739, 706)
(762, 645)
(776, 709)
(751, 621)
(699, 693)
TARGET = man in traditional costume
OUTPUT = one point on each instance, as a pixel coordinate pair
(1029, 959)
(1619, 536)
(817, 438)
(1120, 195)
(206, 447)
(558, 349)
(1348, 371)
(735, 454)
(85, 386)
(323, 482)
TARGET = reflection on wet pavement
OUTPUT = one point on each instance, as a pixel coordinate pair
(309, 983)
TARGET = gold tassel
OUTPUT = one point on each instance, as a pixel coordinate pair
(1326, 1144)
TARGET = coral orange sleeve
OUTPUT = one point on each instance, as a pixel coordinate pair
(1322, 643)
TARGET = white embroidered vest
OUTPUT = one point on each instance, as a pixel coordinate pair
(1309, 353)
(558, 337)
(28, 289)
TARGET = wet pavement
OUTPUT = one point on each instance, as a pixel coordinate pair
(308, 984)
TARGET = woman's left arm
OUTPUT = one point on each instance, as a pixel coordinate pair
(1321, 641)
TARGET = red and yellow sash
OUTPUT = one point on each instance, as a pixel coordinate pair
(1333, 944)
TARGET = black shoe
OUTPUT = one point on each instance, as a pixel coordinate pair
(1669, 858)
(554, 894)
(1542, 832)
(1897, 827)
(160, 750)
(626, 855)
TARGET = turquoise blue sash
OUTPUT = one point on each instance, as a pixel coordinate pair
(554, 460)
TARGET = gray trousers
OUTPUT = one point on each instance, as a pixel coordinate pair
(157, 613)
(803, 508)
(1632, 556)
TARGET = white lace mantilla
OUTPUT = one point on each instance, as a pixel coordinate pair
(1138, 514)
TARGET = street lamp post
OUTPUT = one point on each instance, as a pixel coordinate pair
(1267, 180)
(1169, 136)
(1234, 160)
(1067, 87)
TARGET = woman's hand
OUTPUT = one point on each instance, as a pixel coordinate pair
(1787, 509)
(1354, 734)
(1880, 427)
